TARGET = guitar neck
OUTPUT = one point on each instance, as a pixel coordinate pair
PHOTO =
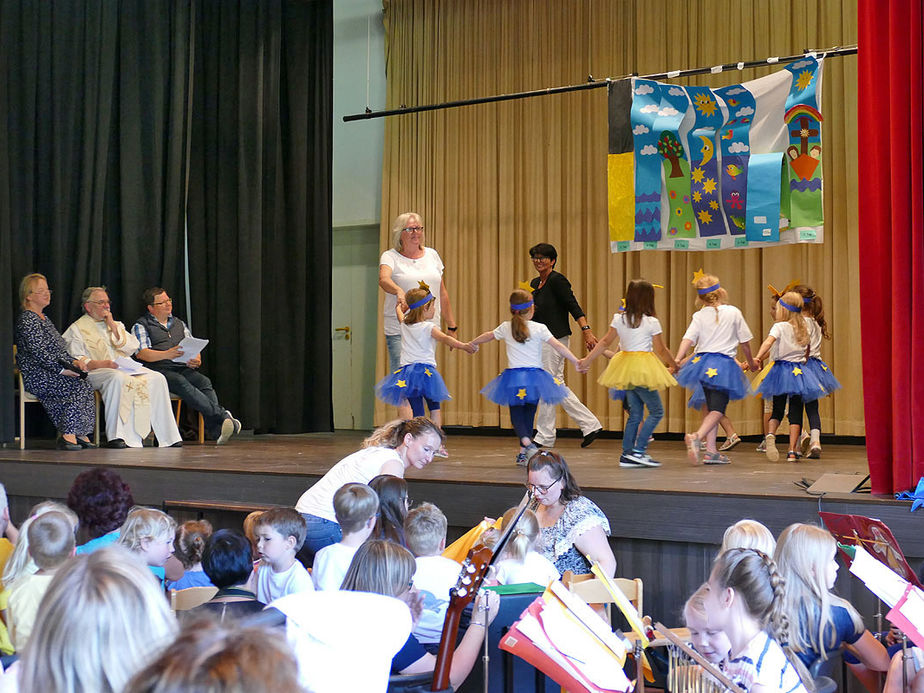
(444, 654)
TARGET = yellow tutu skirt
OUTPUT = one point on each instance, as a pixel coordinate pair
(759, 378)
(629, 369)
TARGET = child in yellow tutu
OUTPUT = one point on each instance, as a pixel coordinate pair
(637, 370)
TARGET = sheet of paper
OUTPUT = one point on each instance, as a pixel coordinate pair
(879, 579)
(192, 347)
(130, 366)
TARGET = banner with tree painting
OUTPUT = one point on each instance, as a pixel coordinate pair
(694, 168)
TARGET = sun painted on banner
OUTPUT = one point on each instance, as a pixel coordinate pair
(732, 167)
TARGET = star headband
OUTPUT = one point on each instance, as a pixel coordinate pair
(422, 302)
(699, 274)
(790, 308)
(521, 306)
(789, 287)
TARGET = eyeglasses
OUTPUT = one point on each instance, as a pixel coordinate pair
(412, 229)
(100, 303)
(161, 303)
(41, 291)
(538, 488)
(539, 258)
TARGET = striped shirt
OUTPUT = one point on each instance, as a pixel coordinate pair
(141, 332)
(763, 662)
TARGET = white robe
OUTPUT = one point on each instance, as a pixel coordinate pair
(134, 404)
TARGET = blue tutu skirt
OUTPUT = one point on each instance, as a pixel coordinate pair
(524, 386)
(617, 395)
(412, 380)
(697, 399)
(715, 371)
(790, 378)
(822, 371)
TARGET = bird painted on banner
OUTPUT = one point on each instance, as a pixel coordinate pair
(733, 170)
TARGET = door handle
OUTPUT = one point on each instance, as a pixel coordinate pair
(345, 330)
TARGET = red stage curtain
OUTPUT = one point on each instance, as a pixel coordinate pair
(891, 113)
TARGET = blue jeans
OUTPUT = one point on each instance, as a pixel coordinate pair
(393, 342)
(635, 438)
(320, 533)
(196, 390)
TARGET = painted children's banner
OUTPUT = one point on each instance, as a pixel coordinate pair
(694, 168)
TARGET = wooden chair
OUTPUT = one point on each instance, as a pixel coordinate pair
(191, 597)
(179, 406)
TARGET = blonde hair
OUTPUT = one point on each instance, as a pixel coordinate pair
(354, 505)
(696, 604)
(794, 318)
(397, 226)
(713, 298)
(524, 537)
(145, 525)
(25, 286)
(518, 325)
(20, 562)
(425, 529)
(802, 554)
(415, 315)
(250, 523)
(391, 434)
(51, 539)
(748, 534)
(102, 619)
(382, 567)
(189, 541)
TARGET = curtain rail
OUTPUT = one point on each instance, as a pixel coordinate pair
(596, 84)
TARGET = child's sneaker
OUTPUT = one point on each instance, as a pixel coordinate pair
(804, 441)
(770, 448)
(716, 458)
(628, 461)
(814, 451)
(763, 445)
(637, 459)
(522, 460)
(730, 443)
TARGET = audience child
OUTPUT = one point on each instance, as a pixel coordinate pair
(709, 641)
(51, 543)
(393, 507)
(102, 501)
(226, 561)
(748, 534)
(744, 599)
(520, 562)
(356, 507)
(425, 529)
(807, 559)
(20, 563)
(10, 535)
(280, 533)
(249, 532)
(188, 544)
(385, 568)
(149, 534)
(209, 657)
(101, 620)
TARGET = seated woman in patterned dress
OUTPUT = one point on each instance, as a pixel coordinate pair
(49, 372)
(573, 530)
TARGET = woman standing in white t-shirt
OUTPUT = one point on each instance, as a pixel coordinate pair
(401, 268)
(637, 370)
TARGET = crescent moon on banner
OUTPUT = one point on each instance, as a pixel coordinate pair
(707, 149)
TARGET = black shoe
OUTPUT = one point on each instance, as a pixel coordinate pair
(116, 443)
(591, 437)
(65, 445)
(177, 444)
(85, 444)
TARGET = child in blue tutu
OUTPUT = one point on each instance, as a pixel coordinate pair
(788, 379)
(814, 313)
(716, 331)
(524, 382)
(637, 370)
(417, 380)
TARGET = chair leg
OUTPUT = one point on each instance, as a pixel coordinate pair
(96, 400)
(22, 419)
(179, 405)
(201, 429)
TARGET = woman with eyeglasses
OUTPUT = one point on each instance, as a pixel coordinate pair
(402, 268)
(48, 371)
(572, 529)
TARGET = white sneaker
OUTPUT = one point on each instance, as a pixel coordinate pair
(772, 453)
(804, 441)
(227, 430)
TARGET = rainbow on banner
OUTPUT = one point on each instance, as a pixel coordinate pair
(694, 168)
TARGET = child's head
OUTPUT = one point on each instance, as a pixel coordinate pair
(280, 533)
(710, 642)
(709, 290)
(227, 558)
(382, 567)
(393, 507)
(19, 562)
(813, 307)
(420, 306)
(149, 533)
(789, 309)
(524, 536)
(521, 310)
(807, 558)
(745, 584)
(190, 541)
(354, 506)
(51, 540)
(425, 530)
(748, 534)
(249, 523)
(639, 301)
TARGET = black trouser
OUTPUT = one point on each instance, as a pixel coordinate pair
(522, 416)
(795, 409)
(716, 400)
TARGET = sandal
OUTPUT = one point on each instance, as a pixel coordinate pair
(730, 442)
(716, 458)
(693, 447)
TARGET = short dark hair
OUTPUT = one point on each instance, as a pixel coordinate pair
(558, 469)
(101, 500)
(227, 559)
(287, 521)
(545, 250)
(149, 294)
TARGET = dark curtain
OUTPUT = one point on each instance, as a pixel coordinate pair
(892, 239)
(259, 208)
(93, 99)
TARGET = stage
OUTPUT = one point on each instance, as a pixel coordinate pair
(666, 522)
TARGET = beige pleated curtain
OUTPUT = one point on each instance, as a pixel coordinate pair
(491, 180)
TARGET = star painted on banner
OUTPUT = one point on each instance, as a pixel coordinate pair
(427, 372)
(698, 274)
(696, 359)
(704, 216)
(797, 371)
(525, 286)
(713, 204)
(697, 196)
(709, 185)
(522, 393)
(697, 174)
(711, 372)
(402, 383)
